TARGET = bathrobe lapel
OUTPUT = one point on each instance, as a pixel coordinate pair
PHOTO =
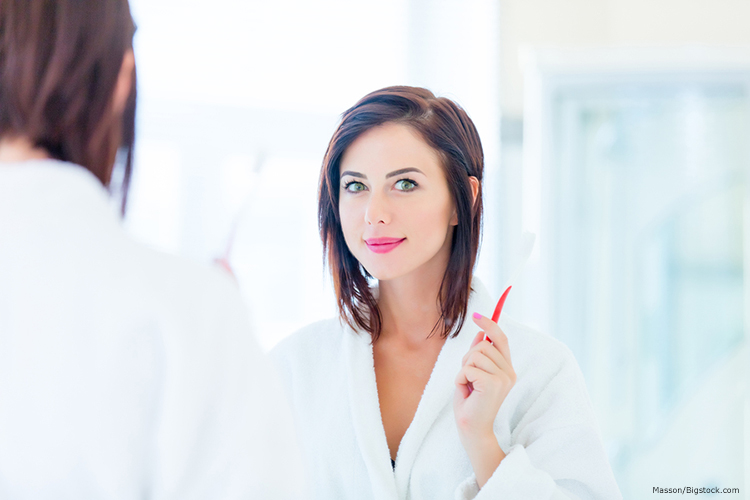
(366, 417)
(438, 393)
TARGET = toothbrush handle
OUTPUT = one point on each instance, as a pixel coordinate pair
(499, 308)
(500, 304)
(495, 317)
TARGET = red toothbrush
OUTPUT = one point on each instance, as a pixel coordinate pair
(527, 245)
(500, 304)
(499, 309)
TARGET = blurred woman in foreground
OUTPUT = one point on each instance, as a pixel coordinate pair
(124, 373)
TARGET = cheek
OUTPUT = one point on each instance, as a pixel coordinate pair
(432, 218)
(349, 216)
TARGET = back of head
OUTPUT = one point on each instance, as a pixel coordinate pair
(59, 63)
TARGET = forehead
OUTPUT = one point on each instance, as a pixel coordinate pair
(389, 147)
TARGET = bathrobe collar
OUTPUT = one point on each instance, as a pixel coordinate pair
(365, 407)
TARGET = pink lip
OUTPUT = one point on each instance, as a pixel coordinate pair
(383, 245)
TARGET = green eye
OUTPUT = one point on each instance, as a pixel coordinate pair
(405, 185)
(354, 187)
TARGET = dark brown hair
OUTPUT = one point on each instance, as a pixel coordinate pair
(59, 64)
(449, 130)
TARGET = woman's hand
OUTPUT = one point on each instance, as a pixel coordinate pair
(225, 266)
(487, 369)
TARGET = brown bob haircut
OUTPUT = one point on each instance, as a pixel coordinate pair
(59, 64)
(447, 128)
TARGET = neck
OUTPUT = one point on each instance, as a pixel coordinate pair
(409, 306)
(19, 149)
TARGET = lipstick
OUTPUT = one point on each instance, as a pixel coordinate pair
(383, 245)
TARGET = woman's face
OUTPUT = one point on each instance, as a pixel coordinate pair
(396, 211)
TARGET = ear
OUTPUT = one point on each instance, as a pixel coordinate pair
(474, 189)
(474, 193)
(124, 83)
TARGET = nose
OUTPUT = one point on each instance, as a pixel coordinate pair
(377, 211)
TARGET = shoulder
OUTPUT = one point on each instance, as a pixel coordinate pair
(548, 376)
(310, 343)
(310, 362)
(540, 361)
(529, 345)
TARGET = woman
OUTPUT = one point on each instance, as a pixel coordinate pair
(401, 397)
(124, 373)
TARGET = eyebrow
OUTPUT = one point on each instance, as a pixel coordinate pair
(387, 176)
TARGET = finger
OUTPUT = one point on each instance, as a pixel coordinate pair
(493, 353)
(479, 359)
(478, 379)
(491, 361)
(490, 351)
(472, 375)
(496, 335)
(464, 389)
(477, 339)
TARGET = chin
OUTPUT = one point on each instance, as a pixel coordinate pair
(384, 271)
(382, 274)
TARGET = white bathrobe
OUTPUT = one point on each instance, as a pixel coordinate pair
(125, 373)
(546, 425)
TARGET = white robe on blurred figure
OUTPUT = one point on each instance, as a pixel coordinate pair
(546, 425)
(124, 373)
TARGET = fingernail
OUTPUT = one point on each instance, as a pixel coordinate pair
(477, 316)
